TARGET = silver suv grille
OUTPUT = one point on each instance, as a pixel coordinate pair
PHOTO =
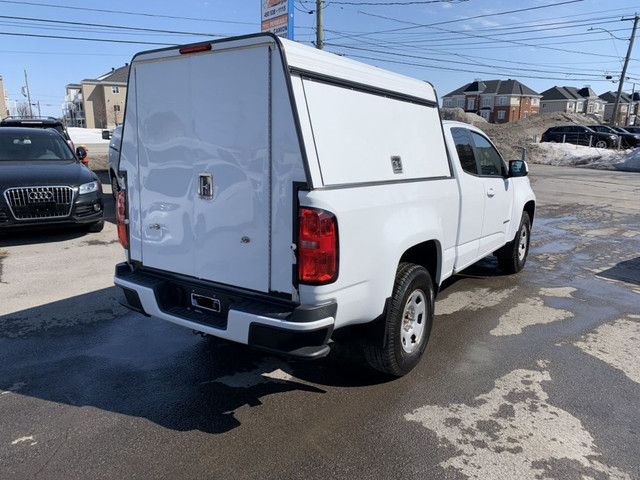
(32, 203)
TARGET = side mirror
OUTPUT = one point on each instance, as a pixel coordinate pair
(81, 153)
(106, 134)
(518, 168)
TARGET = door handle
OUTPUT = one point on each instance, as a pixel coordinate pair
(490, 192)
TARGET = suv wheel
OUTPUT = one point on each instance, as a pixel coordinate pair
(601, 144)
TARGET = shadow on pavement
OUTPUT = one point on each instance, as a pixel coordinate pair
(627, 271)
(90, 351)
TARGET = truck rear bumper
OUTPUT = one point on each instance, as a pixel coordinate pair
(278, 327)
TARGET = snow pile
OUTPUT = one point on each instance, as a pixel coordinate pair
(569, 155)
(86, 135)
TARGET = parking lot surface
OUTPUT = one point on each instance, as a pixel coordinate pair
(531, 376)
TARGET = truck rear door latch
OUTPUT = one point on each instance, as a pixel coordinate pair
(205, 186)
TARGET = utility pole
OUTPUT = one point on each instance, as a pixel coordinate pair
(319, 34)
(614, 114)
(28, 94)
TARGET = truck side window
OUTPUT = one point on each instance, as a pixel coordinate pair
(465, 150)
(490, 161)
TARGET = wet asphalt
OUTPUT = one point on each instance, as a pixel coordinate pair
(529, 376)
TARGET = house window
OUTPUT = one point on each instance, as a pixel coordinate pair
(572, 105)
(526, 114)
(590, 108)
(535, 101)
(115, 89)
(580, 106)
(502, 101)
(486, 101)
(116, 108)
(485, 114)
(501, 115)
(461, 103)
(470, 103)
(447, 102)
(623, 108)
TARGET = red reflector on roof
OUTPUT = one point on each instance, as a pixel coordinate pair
(196, 48)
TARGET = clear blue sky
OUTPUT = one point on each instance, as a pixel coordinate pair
(541, 43)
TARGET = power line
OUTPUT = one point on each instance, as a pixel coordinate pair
(83, 39)
(85, 24)
(467, 18)
(120, 12)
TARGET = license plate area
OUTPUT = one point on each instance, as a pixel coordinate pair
(204, 302)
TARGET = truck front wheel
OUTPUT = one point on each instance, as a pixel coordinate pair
(513, 256)
(407, 322)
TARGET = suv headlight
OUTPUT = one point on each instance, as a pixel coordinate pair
(89, 187)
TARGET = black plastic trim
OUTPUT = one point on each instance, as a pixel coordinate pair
(360, 87)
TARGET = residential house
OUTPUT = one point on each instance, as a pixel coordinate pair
(497, 101)
(97, 103)
(627, 107)
(572, 100)
(4, 111)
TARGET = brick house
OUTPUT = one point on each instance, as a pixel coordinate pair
(497, 101)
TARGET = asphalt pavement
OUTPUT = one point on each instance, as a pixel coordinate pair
(531, 376)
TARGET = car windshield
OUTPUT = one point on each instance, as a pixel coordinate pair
(26, 146)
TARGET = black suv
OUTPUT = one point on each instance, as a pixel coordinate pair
(39, 122)
(627, 139)
(580, 135)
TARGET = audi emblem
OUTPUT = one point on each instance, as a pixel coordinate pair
(40, 195)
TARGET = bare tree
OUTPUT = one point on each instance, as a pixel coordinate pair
(100, 112)
(115, 115)
(23, 109)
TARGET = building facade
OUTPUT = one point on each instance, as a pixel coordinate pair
(497, 101)
(572, 100)
(4, 110)
(97, 103)
(628, 107)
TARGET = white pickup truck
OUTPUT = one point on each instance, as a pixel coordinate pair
(273, 194)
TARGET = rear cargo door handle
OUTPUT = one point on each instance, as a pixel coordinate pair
(490, 192)
(205, 186)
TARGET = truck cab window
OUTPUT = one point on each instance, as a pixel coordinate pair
(490, 161)
(465, 150)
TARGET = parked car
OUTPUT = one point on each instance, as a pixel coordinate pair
(43, 182)
(114, 156)
(39, 122)
(627, 139)
(631, 129)
(580, 135)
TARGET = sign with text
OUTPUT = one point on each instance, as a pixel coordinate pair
(277, 17)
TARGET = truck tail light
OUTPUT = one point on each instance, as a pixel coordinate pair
(317, 247)
(121, 218)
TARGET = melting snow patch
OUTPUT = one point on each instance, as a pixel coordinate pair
(617, 345)
(513, 432)
(532, 311)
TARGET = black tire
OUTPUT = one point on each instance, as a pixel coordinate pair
(115, 188)
(513, 256)
(97, 226)
(407, 323)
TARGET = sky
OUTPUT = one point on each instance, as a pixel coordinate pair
(541, 43)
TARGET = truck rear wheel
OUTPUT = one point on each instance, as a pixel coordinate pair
(513, 256)
(407, 323)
